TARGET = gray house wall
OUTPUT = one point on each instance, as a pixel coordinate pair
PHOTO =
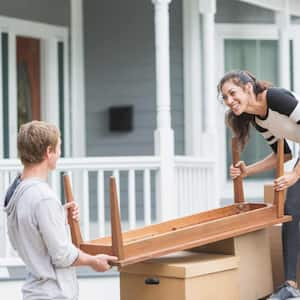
(54, 12)
(120, 70)
(233, 11)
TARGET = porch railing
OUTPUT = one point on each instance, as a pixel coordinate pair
(136, 178)
(196, 184)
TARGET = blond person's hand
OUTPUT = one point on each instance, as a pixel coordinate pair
(101, 262)
(240, 169)
(74, 208)
(285, 181)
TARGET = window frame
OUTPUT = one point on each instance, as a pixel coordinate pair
(50, 36)
(253, 188)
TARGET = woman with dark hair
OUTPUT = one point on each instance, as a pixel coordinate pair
(274, 113)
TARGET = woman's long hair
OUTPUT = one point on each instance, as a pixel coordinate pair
(240, 125)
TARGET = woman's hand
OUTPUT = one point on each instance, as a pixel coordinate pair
(285, 181)
(74, 208)
(240, 169)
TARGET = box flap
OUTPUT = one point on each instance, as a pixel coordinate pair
(184, 264)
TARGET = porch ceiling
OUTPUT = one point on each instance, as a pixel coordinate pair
(277, 5)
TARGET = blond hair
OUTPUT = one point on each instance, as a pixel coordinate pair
(33, 140)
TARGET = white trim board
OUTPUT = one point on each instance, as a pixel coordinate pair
(32, 29)
(247, 31)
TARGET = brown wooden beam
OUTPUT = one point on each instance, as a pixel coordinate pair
(279, 195)
(74, 225)
(237, 182)
(116, 231)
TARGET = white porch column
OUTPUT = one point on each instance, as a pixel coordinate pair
(164, 136)
(207, 9)
(77, 80)
(1, 106)
(12, 96)
(192, 78)
(283, 23)
(50, 93)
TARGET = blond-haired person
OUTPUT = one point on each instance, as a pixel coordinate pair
(37, 223)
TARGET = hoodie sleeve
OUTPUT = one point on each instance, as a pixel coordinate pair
(51, 222)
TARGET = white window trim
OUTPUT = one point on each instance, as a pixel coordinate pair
(1, 103)
(252, 188)
(44, 32)
(294, 35)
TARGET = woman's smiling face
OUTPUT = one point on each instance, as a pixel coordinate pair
(235, 97)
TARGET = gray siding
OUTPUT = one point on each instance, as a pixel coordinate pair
(54, 12)
(233, 11)
(120, 70)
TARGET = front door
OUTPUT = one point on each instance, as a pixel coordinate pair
(28, 80)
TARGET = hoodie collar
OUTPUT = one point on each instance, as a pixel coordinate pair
(12, 189)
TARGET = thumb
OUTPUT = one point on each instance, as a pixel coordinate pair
(112, 258)
(238, 164)
(69, 205)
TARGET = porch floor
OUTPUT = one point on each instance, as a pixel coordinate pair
(92, 288)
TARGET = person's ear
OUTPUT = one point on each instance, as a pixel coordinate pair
(48, 152)
(249, 87)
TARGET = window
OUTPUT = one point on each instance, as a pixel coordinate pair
(260, 58)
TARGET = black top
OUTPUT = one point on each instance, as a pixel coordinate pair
(282, 119)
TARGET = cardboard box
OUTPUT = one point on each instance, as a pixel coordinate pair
(275, 242)
(182, 276)
(276, 255)
(255, 267)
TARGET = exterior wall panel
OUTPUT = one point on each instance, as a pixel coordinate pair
(120, 70)
(54, 12)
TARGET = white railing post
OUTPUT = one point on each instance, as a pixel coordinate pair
(147, 197)
(164, 135)
(77, 80)
(131, 200)
(192, 75)
(86, 205)
(209, 138)
(101, 203)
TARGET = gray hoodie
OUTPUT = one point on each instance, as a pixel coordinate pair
(38, 230)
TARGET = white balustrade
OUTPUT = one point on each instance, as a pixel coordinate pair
(135, 178)
(194, 182)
